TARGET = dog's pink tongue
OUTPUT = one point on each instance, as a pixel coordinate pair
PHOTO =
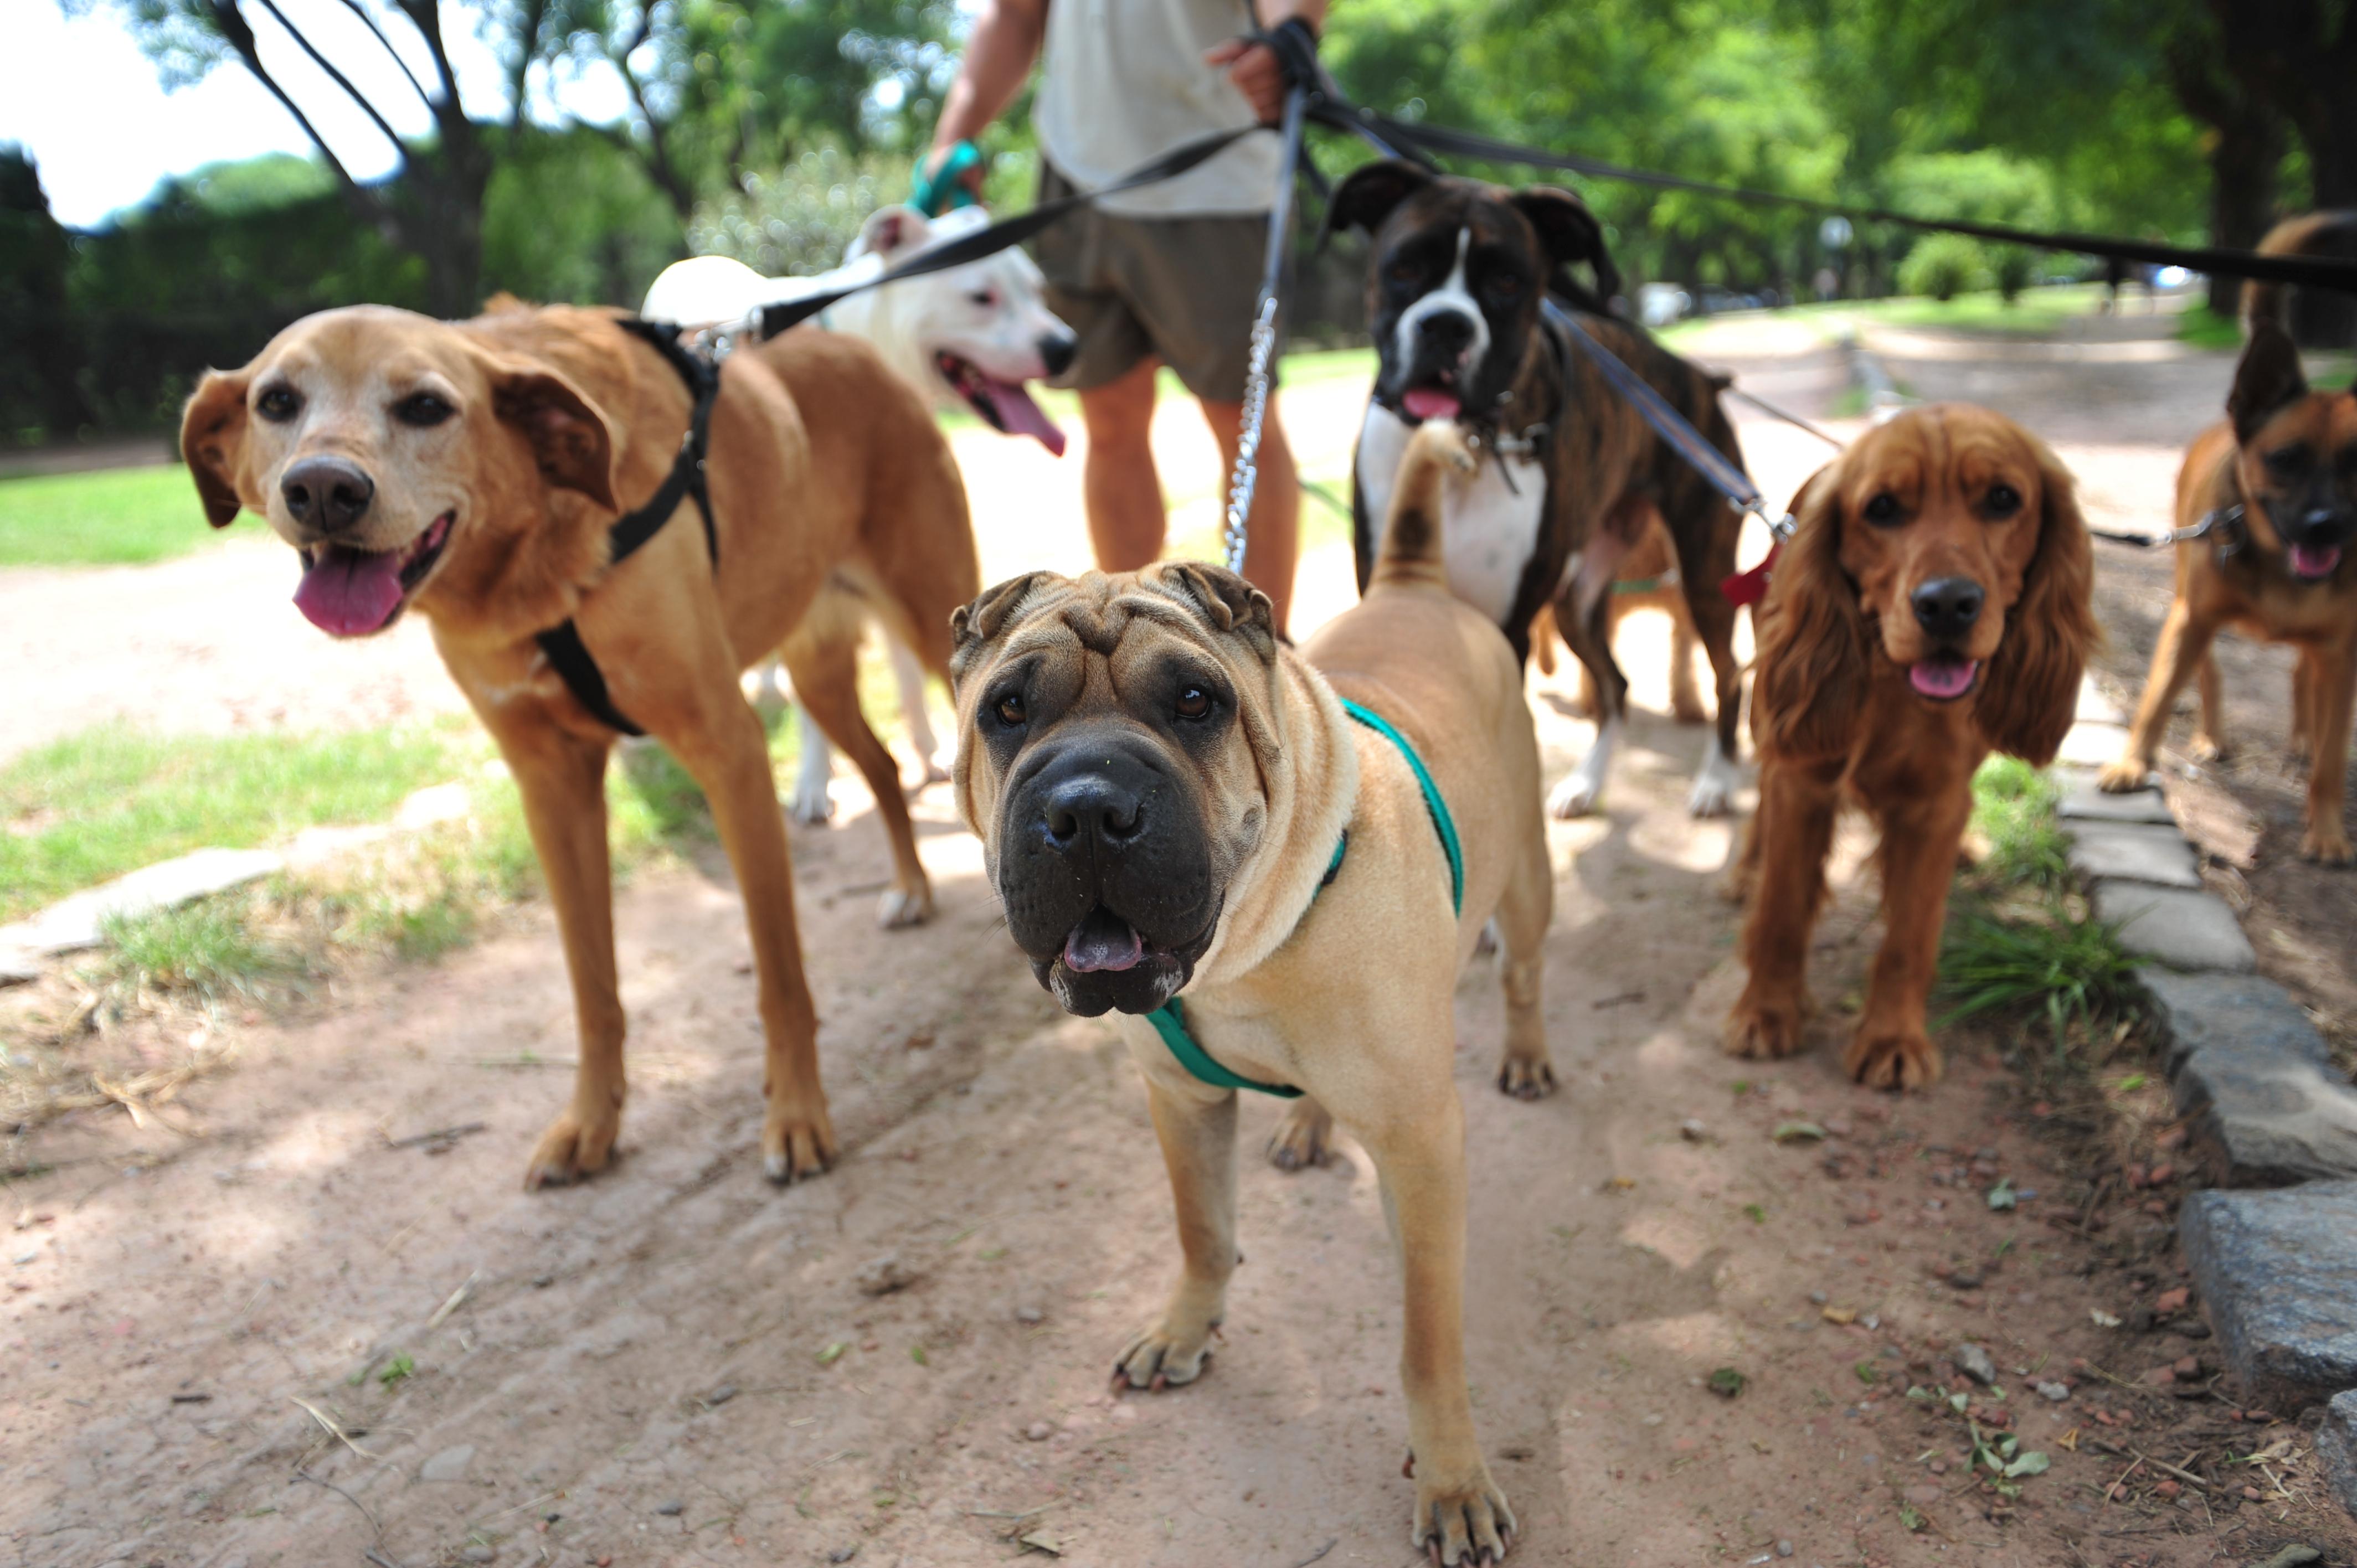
(351, 592)
(1021, 415)
(1104, 940)
(1942, 677)
(2315, 560)
(1430, 402)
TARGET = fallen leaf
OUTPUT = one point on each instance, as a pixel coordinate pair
(1838, 1314)
(2103, 1319)
(1786, 1132)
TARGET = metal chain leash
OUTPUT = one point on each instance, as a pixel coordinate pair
(1262, 363)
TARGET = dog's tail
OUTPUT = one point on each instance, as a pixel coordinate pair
(1411, 547)
(2310, 235)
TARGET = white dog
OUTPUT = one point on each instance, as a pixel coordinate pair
(969, 337)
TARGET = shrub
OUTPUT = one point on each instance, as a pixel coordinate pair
(2016, 269)
(1943, 266)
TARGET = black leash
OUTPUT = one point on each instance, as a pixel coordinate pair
(2225, 523)
(568, 654)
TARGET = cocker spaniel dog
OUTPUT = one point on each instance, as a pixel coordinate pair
(1932, 606)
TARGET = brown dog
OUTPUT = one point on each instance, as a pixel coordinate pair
(2279, 480)
(1648, 580)
(473, 470)
(1931, 607)
(1168, 798)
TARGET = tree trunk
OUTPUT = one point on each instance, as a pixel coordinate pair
(2243, 182)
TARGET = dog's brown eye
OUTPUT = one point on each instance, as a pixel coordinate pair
(1505, 286)
(1194, 702)
(1883, 510)
(1403, 272)
(278, 404)
(2003, 500)
(1010, 710)
(423, 410)
(2288, 459)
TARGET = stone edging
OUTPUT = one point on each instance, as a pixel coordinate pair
(2273, 1244)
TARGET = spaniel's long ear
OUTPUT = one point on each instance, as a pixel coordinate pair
(2029, 696)
(1812, 681)
(212, 442)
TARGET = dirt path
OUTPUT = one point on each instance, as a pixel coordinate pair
(2119, 401)
(673, 1365)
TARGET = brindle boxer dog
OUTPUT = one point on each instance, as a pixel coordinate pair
(1169, 798)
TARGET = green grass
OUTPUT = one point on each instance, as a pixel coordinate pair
(2205, 329)
(2013, 810)
(117, 517)
(2052, 963)
(80, 810)
(209, 948)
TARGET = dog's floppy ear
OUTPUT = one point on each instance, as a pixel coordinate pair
(1364, 200)
(1229, 602)
(890, 230)
(1570, 232)
(1813, 674)
(212, 442)
(2029, 695)
(2267, 377)
(971, 625)
(571, 443)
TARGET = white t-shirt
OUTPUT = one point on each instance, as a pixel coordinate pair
(1123, 82)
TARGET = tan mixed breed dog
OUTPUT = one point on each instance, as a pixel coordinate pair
(2281, 474)
(1931, 607)
(473, 470)
(1169, 797)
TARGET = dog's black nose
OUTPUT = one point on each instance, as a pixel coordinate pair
(327, 495)
(1447, 331)
(2321, 525)
(1947, 607)
(1092, 813)
(1056, 351)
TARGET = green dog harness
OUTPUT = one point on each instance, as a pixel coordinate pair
(1170, 1022)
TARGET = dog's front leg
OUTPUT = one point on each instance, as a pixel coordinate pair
(722, 747)
(1421, 1161)
(562, 778)
(1786, 852)
(2333, 687)
(1921, 837)
(1197, 1132)
(2183, 646)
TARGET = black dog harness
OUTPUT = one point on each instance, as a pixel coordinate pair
(567, 653)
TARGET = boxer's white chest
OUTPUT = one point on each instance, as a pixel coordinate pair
(1489, 529)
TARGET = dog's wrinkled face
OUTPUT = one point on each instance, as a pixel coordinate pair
(2296, 457)
(983, 328)
(1116, 735)
(1458, 270)
(1939, 513)
(372, 439)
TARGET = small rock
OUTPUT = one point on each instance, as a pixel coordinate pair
(1930, 1492)
(1029, 1315)
(1819, 1297)
(2336, 1447)
(1975, 1363)
(882, 1277)
(1693, 1131)
(1783, 1548)
(451, 1465)
(721, 1395)
(1966, 1279)
(1039, 1432)
(2168, 1490)
(479, 1555)
(2054, 1392)
(2159, 1377)
(542, 1282)
(843, 1553)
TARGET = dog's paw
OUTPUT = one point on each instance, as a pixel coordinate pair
(1304, 1139)
(1461, 1517)
(2125, 777)
(812, 806)
(1765, 1030)
(1576, 795)
(2326, 843)
(1892, 1059)
(934, 774)
(1167, 1355)
(1525, 1078)
(572, 1149)
(797, 1142)
(2205, 748)
(901, 907)
(1712, 796)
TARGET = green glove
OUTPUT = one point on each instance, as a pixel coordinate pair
(935, 193)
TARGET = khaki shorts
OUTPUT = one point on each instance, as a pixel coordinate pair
(1181, 289)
